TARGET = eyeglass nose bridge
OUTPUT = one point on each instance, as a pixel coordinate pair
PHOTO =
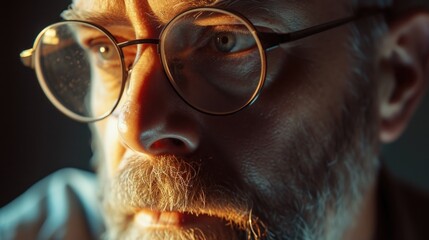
(140, 41)
(121, 45)
(139, 53)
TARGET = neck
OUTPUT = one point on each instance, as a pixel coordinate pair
(364, 226)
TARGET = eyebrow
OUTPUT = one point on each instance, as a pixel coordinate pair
(95, 17)
(243, 6)
(121, 19)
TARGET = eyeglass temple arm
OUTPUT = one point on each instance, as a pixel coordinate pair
(273, 40)
(27, 57)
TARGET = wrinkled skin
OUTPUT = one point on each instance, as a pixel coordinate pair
(297, 162)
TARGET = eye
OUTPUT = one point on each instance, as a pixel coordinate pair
(225, 42)
(105, 52)
(232, 41)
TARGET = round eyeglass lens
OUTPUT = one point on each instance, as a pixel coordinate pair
(214, 60)
(80, 69)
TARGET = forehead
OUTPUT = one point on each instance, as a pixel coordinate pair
(166, 9)
(277, 12)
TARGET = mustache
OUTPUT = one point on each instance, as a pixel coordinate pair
(169, 183)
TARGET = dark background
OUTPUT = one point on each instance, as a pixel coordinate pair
(37, 139)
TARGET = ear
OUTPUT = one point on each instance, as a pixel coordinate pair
(404, 73)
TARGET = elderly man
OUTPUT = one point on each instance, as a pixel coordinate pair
(231, 119)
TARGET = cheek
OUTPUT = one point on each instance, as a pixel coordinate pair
(282, 133)
(109, 144)
(253, 143)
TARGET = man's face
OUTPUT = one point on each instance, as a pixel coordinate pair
(291, 165)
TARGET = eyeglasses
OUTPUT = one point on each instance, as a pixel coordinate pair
(214, 59)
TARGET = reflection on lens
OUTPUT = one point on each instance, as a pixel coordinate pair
(212, 57)
(217, 65)
(81, 69)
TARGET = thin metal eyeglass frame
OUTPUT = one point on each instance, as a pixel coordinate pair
(269, 41)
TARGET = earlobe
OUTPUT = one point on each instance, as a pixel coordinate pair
(406, 54)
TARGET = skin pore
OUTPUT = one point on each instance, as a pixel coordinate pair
(299, 163)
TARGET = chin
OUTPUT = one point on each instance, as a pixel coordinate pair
(154, 225)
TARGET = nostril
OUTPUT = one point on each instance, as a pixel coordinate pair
(168, 145)
(177, 142)
(167, 142)
(182, 140)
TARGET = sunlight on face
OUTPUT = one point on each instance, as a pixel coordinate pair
(262, 173)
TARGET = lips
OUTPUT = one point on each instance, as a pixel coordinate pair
(160, 225)
(148, 218)
(157, 219)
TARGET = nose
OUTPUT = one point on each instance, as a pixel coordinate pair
(153, 119)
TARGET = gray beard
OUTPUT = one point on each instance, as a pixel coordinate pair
(323, 194)
(324, 190)
(338, 171)
(330, 177)
(326, 209)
